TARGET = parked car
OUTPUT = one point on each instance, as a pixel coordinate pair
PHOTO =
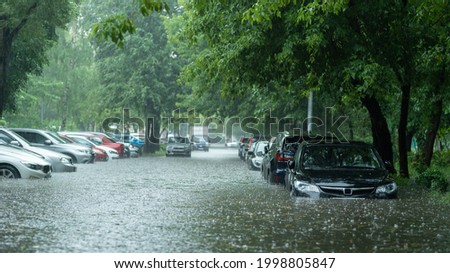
(103, 139)
(60, 162)
(266, 159)
(178, 146)
(50, 140)
(242, 142)
(277, 156)
(200, 143)
(102, 153)
(16, 162)
(133, 143)
(339, 170)
(137, 140)
(255, 155)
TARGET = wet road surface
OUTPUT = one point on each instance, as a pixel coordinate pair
(208, 203)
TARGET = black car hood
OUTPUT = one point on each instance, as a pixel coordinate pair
(346, 178)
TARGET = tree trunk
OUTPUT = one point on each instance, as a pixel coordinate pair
(152, 128)
(434, 120)
(402, 127)
(430, 137)
(380, 130)
(5, 51)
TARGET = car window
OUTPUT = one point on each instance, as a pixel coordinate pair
(5, 138)
(83, 141)
(34, 137)
(329, 157)
(55, 138)
(96, 140)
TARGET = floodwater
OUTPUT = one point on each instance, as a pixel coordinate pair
(208, 203)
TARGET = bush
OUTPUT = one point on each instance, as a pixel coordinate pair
(441, 158)
(433, 179)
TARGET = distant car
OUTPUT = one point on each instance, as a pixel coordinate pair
(200, 143)
(231, 143)
(255, 155)
(244, 144)
(60, 162)
(137, 140)
(178, 146)
(16, 162)
(339, 170)
(52, 141)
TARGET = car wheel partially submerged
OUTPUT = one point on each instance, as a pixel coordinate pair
(8, 172)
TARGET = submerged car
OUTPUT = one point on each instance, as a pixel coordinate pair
(16, 162)
(52, 141)
(200, 143)
(60, 162)
(178, 146)
(339, 170)
(255, 155)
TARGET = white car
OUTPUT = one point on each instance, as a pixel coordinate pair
(60, 162)
(16, 162)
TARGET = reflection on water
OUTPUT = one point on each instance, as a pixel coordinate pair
(208, 203)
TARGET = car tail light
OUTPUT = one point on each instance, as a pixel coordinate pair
(281, 157)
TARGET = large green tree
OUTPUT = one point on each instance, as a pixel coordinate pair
(27, 30)
(141, 74)
(360, 52)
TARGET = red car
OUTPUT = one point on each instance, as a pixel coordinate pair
(103, 139)
(100, 154)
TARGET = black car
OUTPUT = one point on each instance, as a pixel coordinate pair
(280, 152)
(339, 170)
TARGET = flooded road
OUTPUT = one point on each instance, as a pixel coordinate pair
(208, 203)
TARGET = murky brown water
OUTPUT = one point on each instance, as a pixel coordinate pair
(208, 203)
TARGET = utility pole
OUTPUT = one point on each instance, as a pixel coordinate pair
(310, 111)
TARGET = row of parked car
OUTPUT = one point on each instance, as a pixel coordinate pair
(33, 153)
(317, 166)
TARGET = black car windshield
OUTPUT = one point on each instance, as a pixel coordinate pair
(340, 156)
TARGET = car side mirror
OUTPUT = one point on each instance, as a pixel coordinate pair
(48, 142)
(291, 164)
(389, 166)
(15, 142)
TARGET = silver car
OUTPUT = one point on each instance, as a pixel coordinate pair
(178, 146)
(51, 141)
(60, 162)
(16, 162)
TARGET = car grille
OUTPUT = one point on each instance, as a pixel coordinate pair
(338, 191)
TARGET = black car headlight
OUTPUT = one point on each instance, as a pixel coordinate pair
(387, 189)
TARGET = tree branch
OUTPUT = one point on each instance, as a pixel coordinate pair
(24, 20)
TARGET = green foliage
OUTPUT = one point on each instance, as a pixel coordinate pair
(441, 158)
(433, 179)
(115, 27)
(27, 31)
